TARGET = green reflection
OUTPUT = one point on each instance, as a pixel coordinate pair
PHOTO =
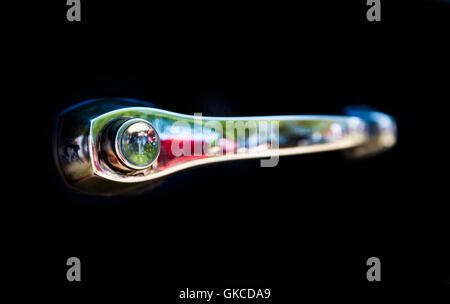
(139, 144)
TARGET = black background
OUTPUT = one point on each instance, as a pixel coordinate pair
(303, 228)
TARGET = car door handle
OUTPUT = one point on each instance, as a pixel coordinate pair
(114, 145)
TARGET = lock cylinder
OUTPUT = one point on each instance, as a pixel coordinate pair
(130, 144)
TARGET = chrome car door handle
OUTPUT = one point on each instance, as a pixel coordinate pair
(112, 145)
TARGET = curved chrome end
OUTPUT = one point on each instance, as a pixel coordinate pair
(381, 130)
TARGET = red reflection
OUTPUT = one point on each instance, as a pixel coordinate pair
(171, 146)
(177, 146)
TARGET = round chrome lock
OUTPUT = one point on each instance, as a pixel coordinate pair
(130, 144)
(137, 144)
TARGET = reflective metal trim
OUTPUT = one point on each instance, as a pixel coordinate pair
(90, 158)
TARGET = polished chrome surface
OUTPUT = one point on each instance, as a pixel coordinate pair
(137, 144)
(96, 151)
